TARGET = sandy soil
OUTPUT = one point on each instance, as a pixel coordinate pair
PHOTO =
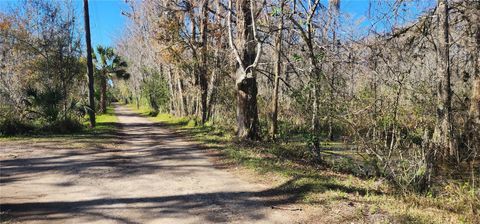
(146, 174)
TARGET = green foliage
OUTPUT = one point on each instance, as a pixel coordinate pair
(191, 123)
(44, 70)
(296, 57)
(276, 11)
(44, 103)
(79, 108)
(301, 98)
(155, 89)
(109, 64)
(346, 165)
(13, 126)
(312, 139)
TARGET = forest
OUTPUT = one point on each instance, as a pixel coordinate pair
(283, 86)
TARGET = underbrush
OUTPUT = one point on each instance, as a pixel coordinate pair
(66, 126)
(14, 127)
(11, 126)
(344, 177)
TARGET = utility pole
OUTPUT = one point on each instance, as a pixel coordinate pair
(91, 90)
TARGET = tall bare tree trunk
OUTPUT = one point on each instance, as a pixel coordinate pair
(334, 7)
(211, 93)
(91, 89)
(443, 135)
(103, 95)
(315, 72)
(172, 90)
(214, 78)
(182, 100)
(315, 105)
(204, 64)
(475, 99)
(278, 61)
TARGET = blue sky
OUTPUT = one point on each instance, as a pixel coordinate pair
(107, 22)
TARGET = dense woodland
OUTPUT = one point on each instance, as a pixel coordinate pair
(402, 91)
(400, 88)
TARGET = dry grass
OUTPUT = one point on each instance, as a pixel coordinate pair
(343, 197)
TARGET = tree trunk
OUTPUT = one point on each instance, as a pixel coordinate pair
(475, 98)
(315, 73)
(203, 70)
(212, 90)
(91, 89)
(247, 112)
(443, 135)
(315, 116)
(473, 124)
(334, 6)
(153, 103)
(182, 100)
(211, 94)
(137, 102)
(103, 95)
(475, 101)
(172, 90)
(278, 53)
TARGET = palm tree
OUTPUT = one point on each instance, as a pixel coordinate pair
(108, 65)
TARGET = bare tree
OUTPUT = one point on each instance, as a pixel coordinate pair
(334, 14)
(204, 62)
(246, 80)
(443, 135)
(307, 33)
(278, 65)
(475, 99)
(91, 89)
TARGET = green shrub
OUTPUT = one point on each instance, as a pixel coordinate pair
(14, 126)
(192, 123)
(64, 126)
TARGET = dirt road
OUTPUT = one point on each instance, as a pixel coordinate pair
(147, 174)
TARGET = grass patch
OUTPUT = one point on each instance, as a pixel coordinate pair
(162, 117)
(105, 123)
(171, 120)
(142, 110)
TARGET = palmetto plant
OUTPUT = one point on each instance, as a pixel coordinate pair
(108, 65)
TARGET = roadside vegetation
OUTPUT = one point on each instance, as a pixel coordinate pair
(341, 182)
(43, 86)
(107, 126)
(397, 100)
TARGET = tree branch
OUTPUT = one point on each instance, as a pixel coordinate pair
(230, 36)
